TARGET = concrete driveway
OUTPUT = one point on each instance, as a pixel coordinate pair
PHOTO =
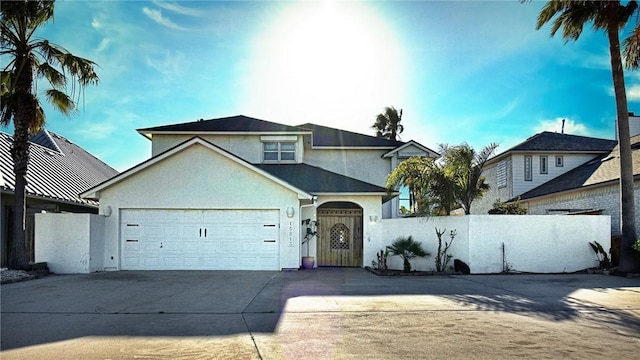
(319, 314)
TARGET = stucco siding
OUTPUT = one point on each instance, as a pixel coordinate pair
(247, 147)
(199, 178)
(69, 243)
(364, 165)
(479, 241)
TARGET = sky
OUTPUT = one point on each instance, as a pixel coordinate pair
(461, 71)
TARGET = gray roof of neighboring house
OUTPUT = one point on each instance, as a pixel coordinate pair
(238, 123)
(315, 180)
(560, 143)
(603, 169)
(551, 141)
(329, 137)
(58, 170)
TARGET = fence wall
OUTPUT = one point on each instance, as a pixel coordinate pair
(70, 243)
(532, 243)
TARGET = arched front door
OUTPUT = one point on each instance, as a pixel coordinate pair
(339, 234)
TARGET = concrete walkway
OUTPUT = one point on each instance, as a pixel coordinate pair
(319, 314)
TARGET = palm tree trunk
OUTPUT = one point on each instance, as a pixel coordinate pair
(24, 112)
(628, 260)
(20, 154)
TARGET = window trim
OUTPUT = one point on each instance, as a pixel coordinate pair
(559, 161)
(544, 164)
(279, 151)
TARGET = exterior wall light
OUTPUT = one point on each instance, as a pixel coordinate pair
(373, 218)
(290, 212)
(107, 211)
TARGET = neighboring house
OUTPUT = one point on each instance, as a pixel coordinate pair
(592, 188)
(231, 193)
(555, 173)
(534, 162)
(58, 171)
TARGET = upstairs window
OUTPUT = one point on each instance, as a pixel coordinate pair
(559, 161)
(527, 168)
(544, 164)
(502, 174)
(279, 151)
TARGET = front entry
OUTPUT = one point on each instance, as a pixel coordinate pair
(340, 237)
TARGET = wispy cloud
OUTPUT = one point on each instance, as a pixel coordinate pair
(633, 92)
(156, 15)
(555, 125)
(169, 63)
(178, 9)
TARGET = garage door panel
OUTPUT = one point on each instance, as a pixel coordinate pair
(200, 239)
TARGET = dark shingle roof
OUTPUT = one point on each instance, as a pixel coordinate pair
(322, 136)
(315, 180)
(329, 137)
(603, 169)
(551, 141)
(238, 123)
(60, 174)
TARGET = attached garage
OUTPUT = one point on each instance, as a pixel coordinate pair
(198, 207)
(199, 239)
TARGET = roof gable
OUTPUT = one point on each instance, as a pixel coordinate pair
(335, 138)
(58, 169)
(43, 138)
(415, 144)
(94, 192)
(232, 124)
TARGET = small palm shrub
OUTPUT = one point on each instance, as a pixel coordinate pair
(407, 249)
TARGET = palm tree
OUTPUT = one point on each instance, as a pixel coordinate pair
(387, 124)
(413, 174)
(464, 166)
(28, 58)
(407, 249)
(609, 16)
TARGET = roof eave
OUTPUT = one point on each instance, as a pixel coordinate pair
(386, 196)
(149, 134)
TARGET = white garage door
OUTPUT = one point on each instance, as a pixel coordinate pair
(199, 239)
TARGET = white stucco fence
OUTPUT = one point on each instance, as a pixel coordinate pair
(70, 243)
(75, 243)
(544, 243)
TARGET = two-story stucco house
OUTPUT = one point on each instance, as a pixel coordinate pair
(231, 193)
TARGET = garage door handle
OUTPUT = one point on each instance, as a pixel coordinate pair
(200, 232)
(205, 232)
(269, 241)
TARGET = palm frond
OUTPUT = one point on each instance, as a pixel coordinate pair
(631, 49)
(53, 76)
(61, 101)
